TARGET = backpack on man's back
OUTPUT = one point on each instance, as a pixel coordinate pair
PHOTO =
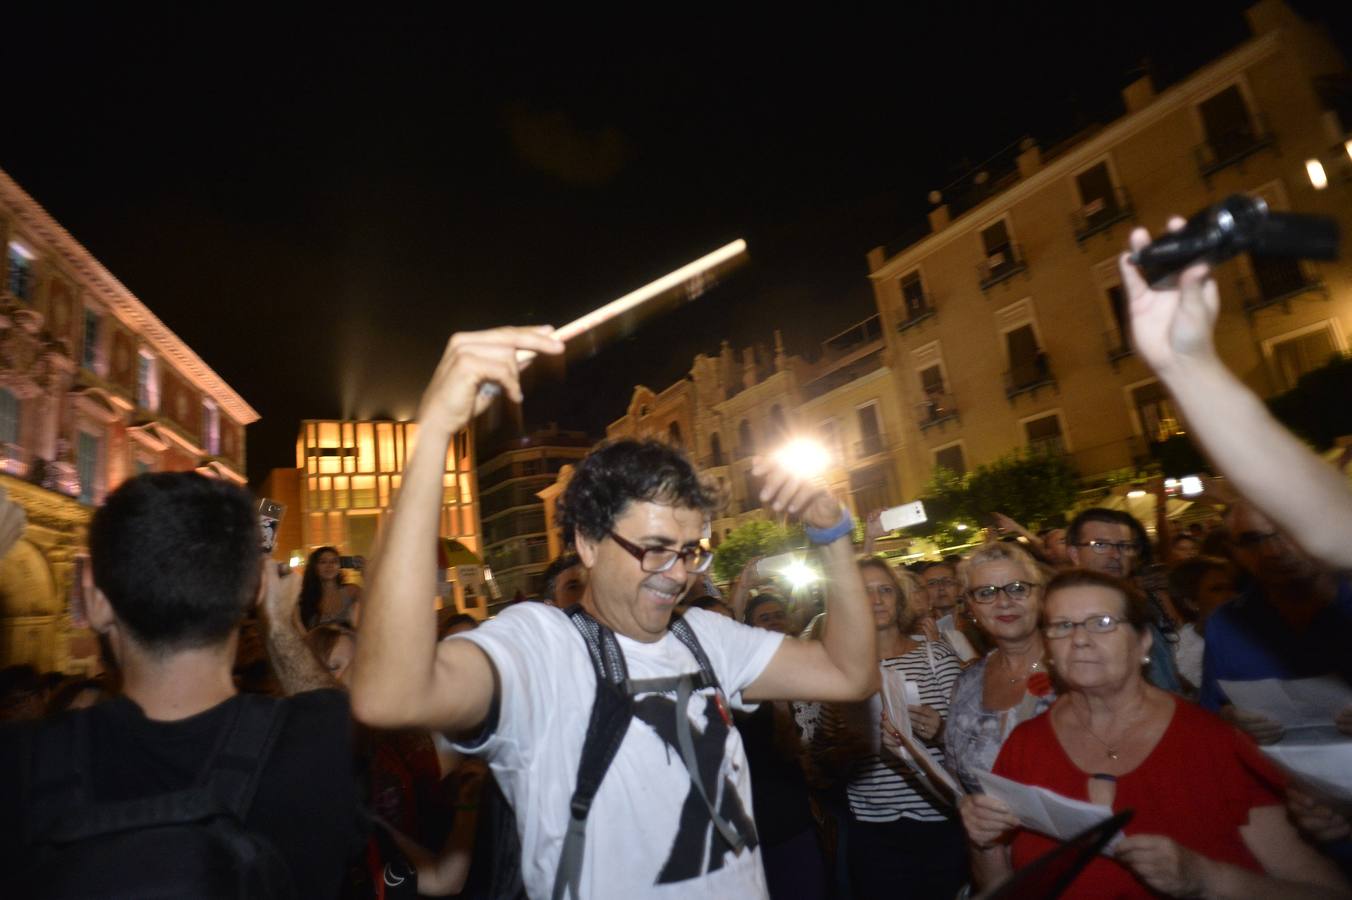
(186, 843)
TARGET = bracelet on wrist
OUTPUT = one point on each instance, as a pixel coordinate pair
(821, 536)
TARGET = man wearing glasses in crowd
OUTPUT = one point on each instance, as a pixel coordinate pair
(520, 690)
(1113, 542)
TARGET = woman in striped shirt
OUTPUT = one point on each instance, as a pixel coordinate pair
(898, 837)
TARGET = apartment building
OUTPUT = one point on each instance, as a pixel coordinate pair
(1005, 324)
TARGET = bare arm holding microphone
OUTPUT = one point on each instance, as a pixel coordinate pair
(1172, 326)
(401, 676)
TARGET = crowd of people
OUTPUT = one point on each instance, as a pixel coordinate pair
(635, 732)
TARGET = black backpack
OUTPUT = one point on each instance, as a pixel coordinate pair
(188, 843)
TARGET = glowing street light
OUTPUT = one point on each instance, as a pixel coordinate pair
(799, 574)
(804, 457)
(1318, 177)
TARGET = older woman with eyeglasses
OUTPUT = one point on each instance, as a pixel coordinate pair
(1003, 584)
(1209, 818)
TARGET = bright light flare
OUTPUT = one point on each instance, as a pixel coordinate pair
(1133, 495)
(1192, 485)
(803, 457)
(1318, 177)
(799, 574)
(1348, 147)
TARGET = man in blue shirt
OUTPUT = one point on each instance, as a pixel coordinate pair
(1293, 620)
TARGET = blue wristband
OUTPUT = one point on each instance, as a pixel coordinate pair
(834, 533)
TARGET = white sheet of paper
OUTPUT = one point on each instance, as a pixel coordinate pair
(1046, 811)
(1298, 703)
(1320, 757)
(898, 693)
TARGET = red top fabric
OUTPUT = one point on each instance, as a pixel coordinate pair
(1197, 786)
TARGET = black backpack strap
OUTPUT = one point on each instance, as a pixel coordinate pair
(686, 635)
(234, 773)
(611, 713)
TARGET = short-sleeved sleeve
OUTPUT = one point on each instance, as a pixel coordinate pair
(738, 653)
(525, 649)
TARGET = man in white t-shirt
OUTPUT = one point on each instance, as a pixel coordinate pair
(520, 689)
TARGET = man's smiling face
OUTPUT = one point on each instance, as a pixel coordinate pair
(632, 602)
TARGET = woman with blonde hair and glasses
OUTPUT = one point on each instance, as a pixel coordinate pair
(1002, 584)
(1209, 819)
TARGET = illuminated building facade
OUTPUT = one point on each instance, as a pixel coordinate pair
(1005, 323)
(728, 411)
(93, 390)
(346, 477)
(515, 521)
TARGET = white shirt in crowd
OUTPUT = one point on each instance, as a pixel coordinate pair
(647, 835)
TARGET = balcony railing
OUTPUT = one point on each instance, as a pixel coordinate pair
(1118, 344)
(1101, 214)
(1027, 378)
(1000, 264)
(1232, 149)
(914, 314)
(936, 409)
(871, 445)
(1047, 446)
(1279, 282)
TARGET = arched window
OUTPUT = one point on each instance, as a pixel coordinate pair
(674, 435)
(716, 450)
(746, 444)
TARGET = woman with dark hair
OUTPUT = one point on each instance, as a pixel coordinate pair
(325, 599)
(1209, 816)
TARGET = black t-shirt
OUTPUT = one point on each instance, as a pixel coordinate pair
(306, 803)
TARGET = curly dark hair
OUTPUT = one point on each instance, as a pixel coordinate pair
(618, 473)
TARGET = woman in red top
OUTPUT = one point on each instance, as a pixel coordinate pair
(1209, 819)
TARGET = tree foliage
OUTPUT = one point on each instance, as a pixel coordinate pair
(750, 540)
(1032, 488)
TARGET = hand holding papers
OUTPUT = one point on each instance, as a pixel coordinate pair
(898, 694)
(1046, 811)
(1295, 704)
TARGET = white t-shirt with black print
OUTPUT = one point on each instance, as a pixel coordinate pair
(649, 833)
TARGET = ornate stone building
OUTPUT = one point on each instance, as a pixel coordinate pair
(93, 389)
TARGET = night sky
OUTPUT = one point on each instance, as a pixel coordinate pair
(315, 201)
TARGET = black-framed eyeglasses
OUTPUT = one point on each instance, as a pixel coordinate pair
(1054, 631)
(1015, 590)
(942, 582)
(660, 559)
(1124, 548)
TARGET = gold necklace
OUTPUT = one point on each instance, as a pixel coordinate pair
(1108, 748)
(1015, 679)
